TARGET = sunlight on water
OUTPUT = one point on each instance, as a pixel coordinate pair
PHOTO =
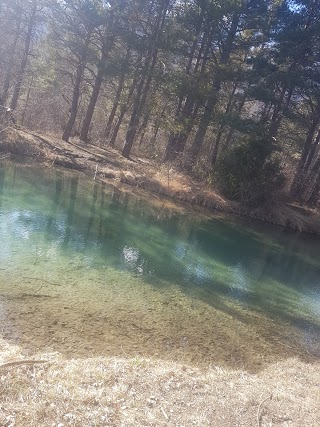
(86, 269)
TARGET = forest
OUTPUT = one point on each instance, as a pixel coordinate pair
(159, 213)
(226, 90)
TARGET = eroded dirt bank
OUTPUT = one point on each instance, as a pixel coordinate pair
(106, 164)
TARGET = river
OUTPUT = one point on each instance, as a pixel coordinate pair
(87, 269)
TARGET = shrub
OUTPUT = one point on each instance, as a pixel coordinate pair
(250, 172)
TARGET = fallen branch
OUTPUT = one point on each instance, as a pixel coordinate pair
(164, 413)
(86, 151)
(261, 403)
(22, 362)
(4, 129)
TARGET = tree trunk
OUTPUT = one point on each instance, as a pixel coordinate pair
(117, 97)
(280, 110)
(123, 110)
(8, 74)
(139, 101)
(144, 85)
(315, 195)
(265, 113)
(24, 62)
(312, 151)
(114, 107)
(94, 98)
(308, 176)
(115, 131)
(301, 170)
(190, 111)
(76, 89)
(143, 127)
(178, 140)
(137, 109)
(214, 154)
(190, 61)
(27, 100)
(157, 127)
(204, 123)
(213, 96)
(230, 134)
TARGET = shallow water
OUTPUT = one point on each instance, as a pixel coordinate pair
(88, 270)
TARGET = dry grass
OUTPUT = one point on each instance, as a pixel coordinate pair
(140, 392)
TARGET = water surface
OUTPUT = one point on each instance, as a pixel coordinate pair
(86, 269)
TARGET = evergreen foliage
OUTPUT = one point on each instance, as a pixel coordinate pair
(250, 172)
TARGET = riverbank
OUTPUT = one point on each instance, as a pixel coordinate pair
(143, 392)
(107, 165)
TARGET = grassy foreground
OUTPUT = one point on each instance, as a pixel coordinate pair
(139, 392)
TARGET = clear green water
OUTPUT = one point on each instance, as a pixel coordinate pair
(88, 270)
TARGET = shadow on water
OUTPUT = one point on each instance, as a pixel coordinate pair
(255, 278)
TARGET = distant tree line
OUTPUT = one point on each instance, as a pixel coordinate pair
(229, 90)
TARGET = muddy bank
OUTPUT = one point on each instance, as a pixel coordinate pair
(106, 164)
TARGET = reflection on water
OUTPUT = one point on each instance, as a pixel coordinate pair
(85, 268)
